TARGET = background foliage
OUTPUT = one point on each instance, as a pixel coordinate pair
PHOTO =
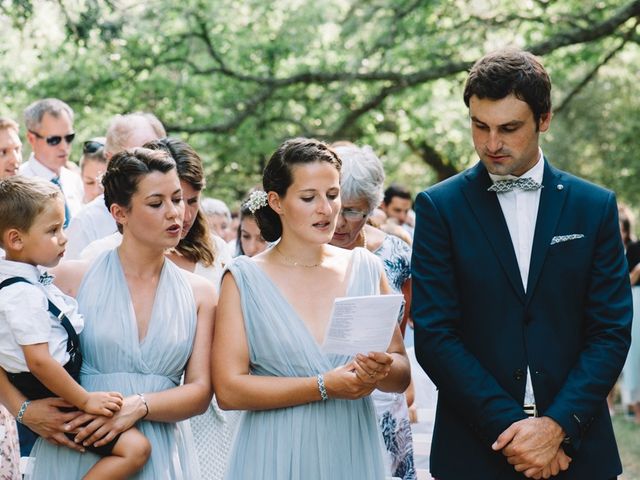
(236, 77)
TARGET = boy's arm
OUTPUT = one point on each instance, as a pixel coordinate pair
(57, 379)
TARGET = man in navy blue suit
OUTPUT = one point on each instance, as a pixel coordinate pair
(521, 297)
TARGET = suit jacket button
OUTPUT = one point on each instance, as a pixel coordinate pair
(518, 374)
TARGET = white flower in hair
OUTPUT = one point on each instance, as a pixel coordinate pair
(257, 200)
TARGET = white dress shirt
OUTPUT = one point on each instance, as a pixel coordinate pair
(25, 319)
(520, 210)
(92, 223)
(70, 182)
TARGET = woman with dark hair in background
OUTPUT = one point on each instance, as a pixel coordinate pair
(199, 250)
(249, 241)
(93, 164)
(309, 413)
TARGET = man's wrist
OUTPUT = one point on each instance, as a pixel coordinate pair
(556, 429)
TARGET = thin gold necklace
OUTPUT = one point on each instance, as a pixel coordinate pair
(294, 262)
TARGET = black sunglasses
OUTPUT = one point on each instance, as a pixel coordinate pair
(92, 146)
(54, 140)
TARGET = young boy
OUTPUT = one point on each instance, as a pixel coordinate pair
(39, 347)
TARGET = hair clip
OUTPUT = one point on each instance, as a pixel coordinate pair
(257, 200)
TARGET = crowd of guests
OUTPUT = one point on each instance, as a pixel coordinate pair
(113, 273)
(135, 257)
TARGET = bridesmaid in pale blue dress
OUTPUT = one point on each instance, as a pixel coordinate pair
(309, 413)
(147, 323)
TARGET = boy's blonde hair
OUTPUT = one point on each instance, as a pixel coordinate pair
(22, 199)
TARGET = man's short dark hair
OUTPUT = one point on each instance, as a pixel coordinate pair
(511, 71)
(395, 190)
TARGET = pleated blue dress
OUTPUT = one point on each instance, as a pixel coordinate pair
(331, 440)
(115, 360)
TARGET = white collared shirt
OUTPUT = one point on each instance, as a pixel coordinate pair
(25, 319)
(70, 182)
(92, 223)
(520, 210)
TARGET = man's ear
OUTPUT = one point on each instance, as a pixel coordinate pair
(119, 213)
(12, 239)
(545, 121)
(274, 202)
(31, 138)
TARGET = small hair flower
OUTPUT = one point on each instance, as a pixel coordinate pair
(257, 200)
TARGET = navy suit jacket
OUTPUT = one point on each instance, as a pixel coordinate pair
(477, 330)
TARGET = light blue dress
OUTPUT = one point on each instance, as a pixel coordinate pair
(114, 360)
(331, 440)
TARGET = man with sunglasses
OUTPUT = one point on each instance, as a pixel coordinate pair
(49, 124)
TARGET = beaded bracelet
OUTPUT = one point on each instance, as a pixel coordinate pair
(23, 408)
(321, 388)
(146, 405)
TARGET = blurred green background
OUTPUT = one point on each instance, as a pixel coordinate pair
(235, 78)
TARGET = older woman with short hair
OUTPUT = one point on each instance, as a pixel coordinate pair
(361, 191)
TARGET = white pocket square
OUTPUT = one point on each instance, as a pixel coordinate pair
(566, 238)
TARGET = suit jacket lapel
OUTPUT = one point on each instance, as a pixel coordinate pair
(552, 197)
(486, 208)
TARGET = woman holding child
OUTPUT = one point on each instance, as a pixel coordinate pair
(309, 415)
(147, 323)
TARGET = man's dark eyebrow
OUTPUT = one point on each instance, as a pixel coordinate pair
(512, 123)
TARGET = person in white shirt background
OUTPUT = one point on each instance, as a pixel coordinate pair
(49, 124)
(94, 221)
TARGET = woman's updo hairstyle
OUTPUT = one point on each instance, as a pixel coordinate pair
(125, 171)
(278, 177)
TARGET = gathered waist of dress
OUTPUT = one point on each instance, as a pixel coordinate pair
(119, 380)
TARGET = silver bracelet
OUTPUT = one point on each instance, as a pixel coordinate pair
(146, 405)
(321, 388)
(23, 408)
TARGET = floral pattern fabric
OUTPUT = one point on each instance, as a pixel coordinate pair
(9, 449)
(391, 408)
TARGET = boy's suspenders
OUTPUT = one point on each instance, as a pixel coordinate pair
(73, 342)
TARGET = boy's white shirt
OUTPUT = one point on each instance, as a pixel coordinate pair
(25, 319)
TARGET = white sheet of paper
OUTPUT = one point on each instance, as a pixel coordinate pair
(362, 324)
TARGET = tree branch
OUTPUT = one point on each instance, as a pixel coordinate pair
(443, 168)
(594, 71)
(590, 33)
(243, 112)
(399, 81)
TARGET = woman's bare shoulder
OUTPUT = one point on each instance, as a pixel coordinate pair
(203, 290)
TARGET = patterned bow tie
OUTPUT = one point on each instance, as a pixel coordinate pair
(502, 186)
(46, 279)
